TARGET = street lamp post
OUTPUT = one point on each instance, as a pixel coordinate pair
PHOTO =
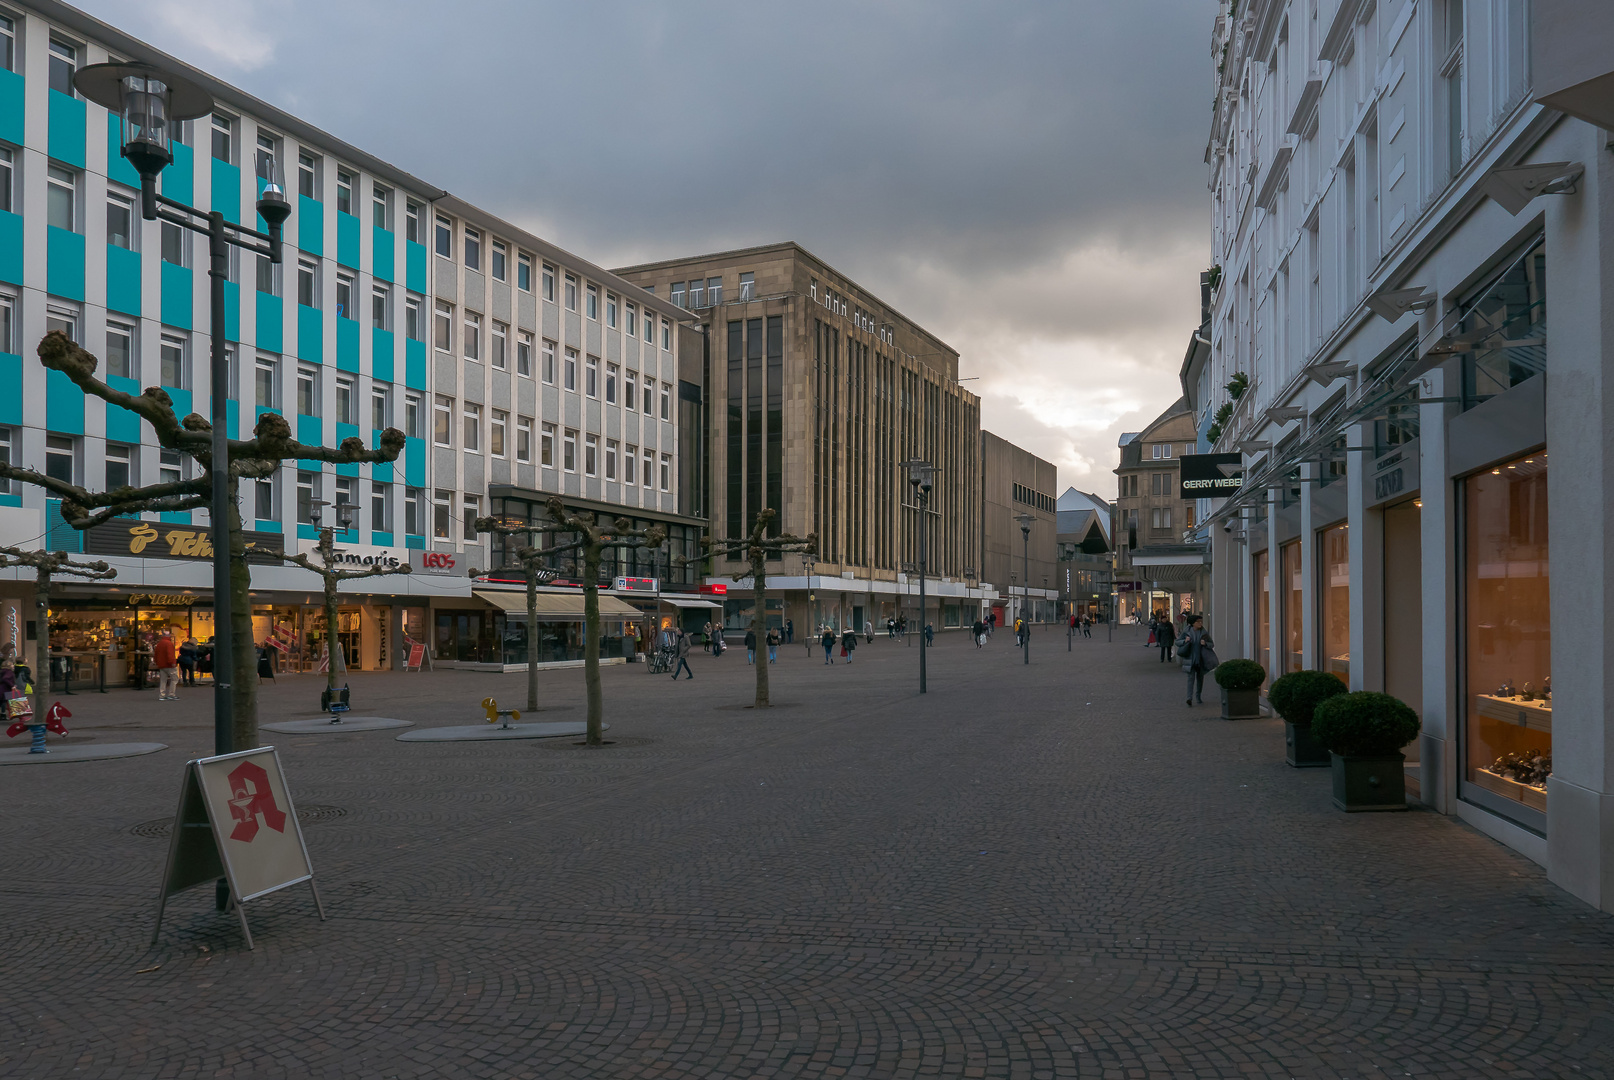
(922, 475)
(1026, 521)
(147, 101)
(811, 634)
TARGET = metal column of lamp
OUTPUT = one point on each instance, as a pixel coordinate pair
(922, 475)
(1026, 521)
(147, 101)
(810, 632)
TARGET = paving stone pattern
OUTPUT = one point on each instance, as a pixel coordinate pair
(1045, 871)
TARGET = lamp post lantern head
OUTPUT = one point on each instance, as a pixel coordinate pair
(922, 475)
(147, 101)
(1026, 521)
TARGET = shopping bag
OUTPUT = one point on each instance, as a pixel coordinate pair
(18, 705)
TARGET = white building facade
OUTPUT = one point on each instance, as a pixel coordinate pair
(1397, 199)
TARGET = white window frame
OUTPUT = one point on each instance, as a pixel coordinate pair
(591, 454)
(442, 420)
(498, 433)
(524, 440)
(471, 427)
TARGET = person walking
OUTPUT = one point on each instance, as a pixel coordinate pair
(719, 642)
(750, 646)
(848, 643)
(891, 628)
(978, 632)
(1165, 635)
(706, 635)
(187, 663)
(828, 641)
(773, 646)
(166, 659)
(930, 635)
(681, 647)
(1087, 627)
(790, 632)
(1198, 654)
(868, 631)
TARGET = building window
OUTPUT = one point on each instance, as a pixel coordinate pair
(591, 454)
(63, 66)
(592, 377)
(666, 401)
(571, 293)
(666, 334)
(612, 374)
(307, 485)
(442, 514)
(264, 503)
(524, 272)
(496, 260)
(549, 283)
(380, 206)
(119, 466)
(345, 182)
(472, 509)
(649, 329)
(412, 416)
(412, 222)
(170, 467)
(307, 175)
(714, 291)
(569, 451)
(647, 471)
(649, 397)
(120, 219)
(524, 439)
(381, 307)
(473, 336)
(498, 421)
(630, 391)
(380, 506)
(60, 456)
(548, 361)
(1451, 72)
(308, 283)
(344, 296)
(268, 153)
(473, 249)
(473, 427)
(7, 179)
(61, 198)
(172, 353)
(630, 320)
(8, 44)
(630, 458)
(571, 370)
(610, 459)
(445, 237)
(666, 472)
(593, 311)
(223, 138)
(610, 310)
(307, 390)
(496, 345)
(62, 319)
(676, 292)
(414, 324)
(346, 407)
(444, 421)
(266, 383)
(444, 322)
(268, 275)
(414, 524)
(120, 349)
(347, 495)
(546, 447)
(175, 244)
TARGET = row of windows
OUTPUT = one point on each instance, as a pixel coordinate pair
(708, 292)
(1160, 483)
(864, 321)
(1033, 497)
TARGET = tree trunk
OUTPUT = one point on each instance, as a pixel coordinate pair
(759, 627)
(333, 648)
(591, 643)
(532, 635)
(41, 643)
(244, 676)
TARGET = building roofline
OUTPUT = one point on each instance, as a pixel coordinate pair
(129, 47)
(796, 247)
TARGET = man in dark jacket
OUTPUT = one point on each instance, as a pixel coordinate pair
(1196, 651)
(750, 646)
(1165, 635)
(681, 646)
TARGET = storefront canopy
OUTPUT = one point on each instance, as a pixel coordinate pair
(555, 607)
(687, 602)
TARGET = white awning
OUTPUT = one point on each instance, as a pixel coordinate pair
(685, 602)
(554, 607)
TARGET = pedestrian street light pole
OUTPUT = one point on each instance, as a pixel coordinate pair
(922, 475)
(1026, 521)
(811, 634)
(147, 101)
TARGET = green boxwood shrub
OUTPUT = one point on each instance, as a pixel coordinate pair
(1364, 724)
(1240, 675)
(1296, 694)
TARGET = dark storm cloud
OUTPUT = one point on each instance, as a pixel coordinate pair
(1023, 178)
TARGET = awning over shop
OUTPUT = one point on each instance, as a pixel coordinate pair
(688, 602)
(555, 607)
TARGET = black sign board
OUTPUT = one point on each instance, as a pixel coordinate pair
(1202, 475)
(168, 540)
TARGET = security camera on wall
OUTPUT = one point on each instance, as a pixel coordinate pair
(1227, 526)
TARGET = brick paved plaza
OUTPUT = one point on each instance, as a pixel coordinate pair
(1030, 872)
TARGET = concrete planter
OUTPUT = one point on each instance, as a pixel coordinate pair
(1241, 704)
(1303, 751)
(1369, 783)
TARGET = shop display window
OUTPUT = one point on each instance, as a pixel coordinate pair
(1263, 612)
(1507, 323)
(489, 637)
(1335, 547)
(1293, 636)
(1507, 632)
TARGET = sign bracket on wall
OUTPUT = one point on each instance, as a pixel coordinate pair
(236, 821)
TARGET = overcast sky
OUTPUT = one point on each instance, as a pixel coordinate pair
(1023, 179)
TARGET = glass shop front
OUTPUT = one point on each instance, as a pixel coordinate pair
(500, 637)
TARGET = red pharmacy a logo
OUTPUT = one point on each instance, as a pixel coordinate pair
(249, 797)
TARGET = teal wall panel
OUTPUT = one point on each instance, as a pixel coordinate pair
(177, 298)
(64, 404)
(122, 279)
(268, 526)
(58, 533)
(11, 247)
(416, 542)
(414, 364)
(181, 400)
(10, 388)
(310, 430)
(347, 240)
(346, 431)
(178, 181)
(232, 418)
(64, 262)
(381, 354)
(232, 311)
(347, 344)
(121, 424)
(175, 517)
(310, 226)
(118, 168)
(271, 322)
(307, 532)
(383, 246)
(226, 189)
(415, 265)
(414, 456)
(310, 334)
(380, 539)
(381, 471)
(66, 128)
(12, 108)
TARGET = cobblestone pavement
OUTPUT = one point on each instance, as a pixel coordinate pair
(1045, 871)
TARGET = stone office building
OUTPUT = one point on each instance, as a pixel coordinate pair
(818, 392)
(1156, 568)
(1015, 484)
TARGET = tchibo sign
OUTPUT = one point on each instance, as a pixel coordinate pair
(1204, 476)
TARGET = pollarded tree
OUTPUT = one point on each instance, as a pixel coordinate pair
(331, 576)
(536, 573)
(758, 547)
(256, 458)
(47, 565)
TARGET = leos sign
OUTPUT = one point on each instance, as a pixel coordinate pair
(441, 563)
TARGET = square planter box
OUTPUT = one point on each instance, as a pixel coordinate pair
(1241, 704)
(1370, 783)
(1303, 751)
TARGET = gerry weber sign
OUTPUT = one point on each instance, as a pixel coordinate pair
(356, 556)
(167, 540)
(1206, 475)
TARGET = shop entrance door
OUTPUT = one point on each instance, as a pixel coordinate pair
(347, 622)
